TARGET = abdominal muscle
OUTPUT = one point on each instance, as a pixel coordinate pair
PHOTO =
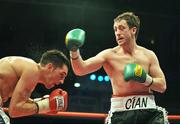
(114, 67)
(123, 88)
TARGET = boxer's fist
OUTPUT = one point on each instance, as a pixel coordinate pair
(75, 39)
(57, 101)
(137, 73)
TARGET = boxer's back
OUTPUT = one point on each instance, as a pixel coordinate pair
(11, 69)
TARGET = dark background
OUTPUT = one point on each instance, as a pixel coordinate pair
(30, 27)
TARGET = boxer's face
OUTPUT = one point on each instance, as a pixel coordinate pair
(122, 32)
(56, 76)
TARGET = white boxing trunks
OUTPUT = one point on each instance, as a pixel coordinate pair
(133, 102)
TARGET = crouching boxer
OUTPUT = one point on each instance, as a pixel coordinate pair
(20, 75)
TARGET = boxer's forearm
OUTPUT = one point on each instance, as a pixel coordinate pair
(83, 67)
(23, 109)
(159, 85)
(77, 62)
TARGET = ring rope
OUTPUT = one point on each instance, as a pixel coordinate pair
(77, 114)
(89, 115)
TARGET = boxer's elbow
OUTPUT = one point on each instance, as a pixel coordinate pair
(163, 88)
(85, 68)
(13, 112)
(159, 87)
(79, 73)
(82, 71)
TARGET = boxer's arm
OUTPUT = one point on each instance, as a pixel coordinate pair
(83, 67)
(20, 104)
(74, 40)
(159, 81)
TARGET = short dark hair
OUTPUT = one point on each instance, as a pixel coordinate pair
(56, 57)
(131, 19)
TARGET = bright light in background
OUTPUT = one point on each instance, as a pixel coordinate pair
(100, 78)
(77, 84)
(106, 78)
(93, 77)
(152, 41)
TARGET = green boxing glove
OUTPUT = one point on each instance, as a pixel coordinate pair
(75, 39)
(137, 73)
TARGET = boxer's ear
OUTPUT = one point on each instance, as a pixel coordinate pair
(50, 67)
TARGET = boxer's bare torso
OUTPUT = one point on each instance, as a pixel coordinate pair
(11, 69)
(114, 65)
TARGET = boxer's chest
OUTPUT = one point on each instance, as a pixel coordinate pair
(117, 63)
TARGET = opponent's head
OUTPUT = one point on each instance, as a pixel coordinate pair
(131, 19)
(56, 65)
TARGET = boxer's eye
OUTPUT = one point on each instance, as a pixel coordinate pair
(62, 75)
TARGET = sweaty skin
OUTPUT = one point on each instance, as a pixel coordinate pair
(18, 78)
(113, 60)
